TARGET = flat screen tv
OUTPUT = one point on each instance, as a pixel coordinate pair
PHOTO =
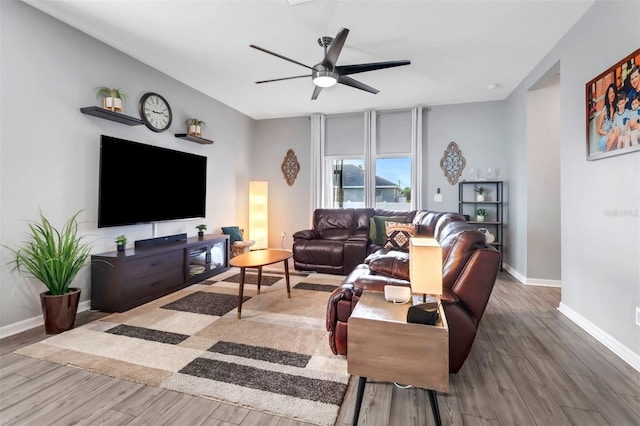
(143, 183)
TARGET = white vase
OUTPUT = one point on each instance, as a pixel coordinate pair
(195, 130)
(480, 218)
(113, 104)
(480, 197)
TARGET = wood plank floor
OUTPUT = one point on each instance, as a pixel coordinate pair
(529, 366)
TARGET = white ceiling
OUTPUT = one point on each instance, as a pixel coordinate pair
(456, 48)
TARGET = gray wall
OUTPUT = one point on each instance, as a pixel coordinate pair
(600, 223)
(479, 129)
(50, 151)
(288, 205)
(543, 183)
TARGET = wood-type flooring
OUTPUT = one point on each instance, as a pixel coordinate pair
(529, 365)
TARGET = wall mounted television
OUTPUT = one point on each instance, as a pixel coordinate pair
(142, 183)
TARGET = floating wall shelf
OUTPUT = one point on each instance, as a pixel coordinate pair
(195, 139)
(111, 115)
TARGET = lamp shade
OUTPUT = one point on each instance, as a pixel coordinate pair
(425, 266)
(259, 213)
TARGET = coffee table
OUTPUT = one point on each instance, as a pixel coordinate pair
(384, 346)
(258, 259)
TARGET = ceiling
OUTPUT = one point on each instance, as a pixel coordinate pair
(457, 48)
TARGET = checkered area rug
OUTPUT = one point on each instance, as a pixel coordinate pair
(276, 359)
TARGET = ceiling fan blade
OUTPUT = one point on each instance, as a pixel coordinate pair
(316, 92)
(279, 56)
(280, 79)
(343, 79)
(354, 69)
(331, 57)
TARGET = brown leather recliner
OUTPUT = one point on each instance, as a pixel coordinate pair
(469, 271)
(339, 239)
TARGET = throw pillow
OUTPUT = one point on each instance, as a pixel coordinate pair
(380, 227)
(372, 229)
(233, 232)
(398, 235)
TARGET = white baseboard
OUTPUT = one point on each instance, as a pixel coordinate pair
(28, 324)
(531, 281)
(626, 354)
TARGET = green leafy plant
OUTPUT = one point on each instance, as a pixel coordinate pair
(109, 92)
(406, 192)
(195, 122)
(480, 190)
(121, 240)
(52, 256)
(201, 227)
(481, 212)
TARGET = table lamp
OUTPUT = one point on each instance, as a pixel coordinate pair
(425, 272)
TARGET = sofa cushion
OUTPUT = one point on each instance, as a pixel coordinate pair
(333, 224)
(381, 233)
(233, 232)
(399, 235)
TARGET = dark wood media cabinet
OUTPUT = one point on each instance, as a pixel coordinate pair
(124, 280)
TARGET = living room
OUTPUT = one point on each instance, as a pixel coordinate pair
(52, 164)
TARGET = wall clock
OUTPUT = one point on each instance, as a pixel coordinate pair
(155, 112)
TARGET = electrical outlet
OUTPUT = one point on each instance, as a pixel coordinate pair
(284, 235)
(637, 315)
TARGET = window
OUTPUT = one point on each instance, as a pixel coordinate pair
(369, 159)
(347, 184)
(393, 183)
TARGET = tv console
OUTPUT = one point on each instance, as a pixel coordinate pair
(123, 280)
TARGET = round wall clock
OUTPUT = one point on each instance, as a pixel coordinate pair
(155, 112)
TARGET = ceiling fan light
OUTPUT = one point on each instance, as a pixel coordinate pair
(324, 78)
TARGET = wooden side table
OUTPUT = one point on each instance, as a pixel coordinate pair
(383, 346)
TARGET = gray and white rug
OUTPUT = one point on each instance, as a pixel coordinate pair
(276, 359)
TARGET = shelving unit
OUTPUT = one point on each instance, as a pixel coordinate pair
(493, 203)
(195, 139)
(111, 115)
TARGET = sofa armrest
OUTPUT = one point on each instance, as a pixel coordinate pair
(391, 266)
(307, 234)
(376, 283)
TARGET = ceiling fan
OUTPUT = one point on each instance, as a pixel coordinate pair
(327, 73)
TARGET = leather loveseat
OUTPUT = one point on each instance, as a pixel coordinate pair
(340, 239)
(469, 271)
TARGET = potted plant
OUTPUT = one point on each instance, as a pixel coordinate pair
(481, 214)
(195, 126)
(121, 241)
(112, 98)
(54, 257)
(479, 193)
(201, 228)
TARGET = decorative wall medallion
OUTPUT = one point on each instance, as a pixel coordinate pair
(290, 167)
(452, 163)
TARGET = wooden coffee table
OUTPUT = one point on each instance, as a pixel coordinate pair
(258, 259)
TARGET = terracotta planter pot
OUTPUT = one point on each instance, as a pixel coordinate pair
(59, 311)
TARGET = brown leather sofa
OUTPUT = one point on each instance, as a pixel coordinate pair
(339, 239)
(469, 271)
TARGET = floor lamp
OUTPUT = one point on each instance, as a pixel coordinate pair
(259, 214)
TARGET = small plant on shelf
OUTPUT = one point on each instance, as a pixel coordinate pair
(201, 228)
(112, 98)
(195, 126)
(480, 191)
(121, 241)
(481, 214)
